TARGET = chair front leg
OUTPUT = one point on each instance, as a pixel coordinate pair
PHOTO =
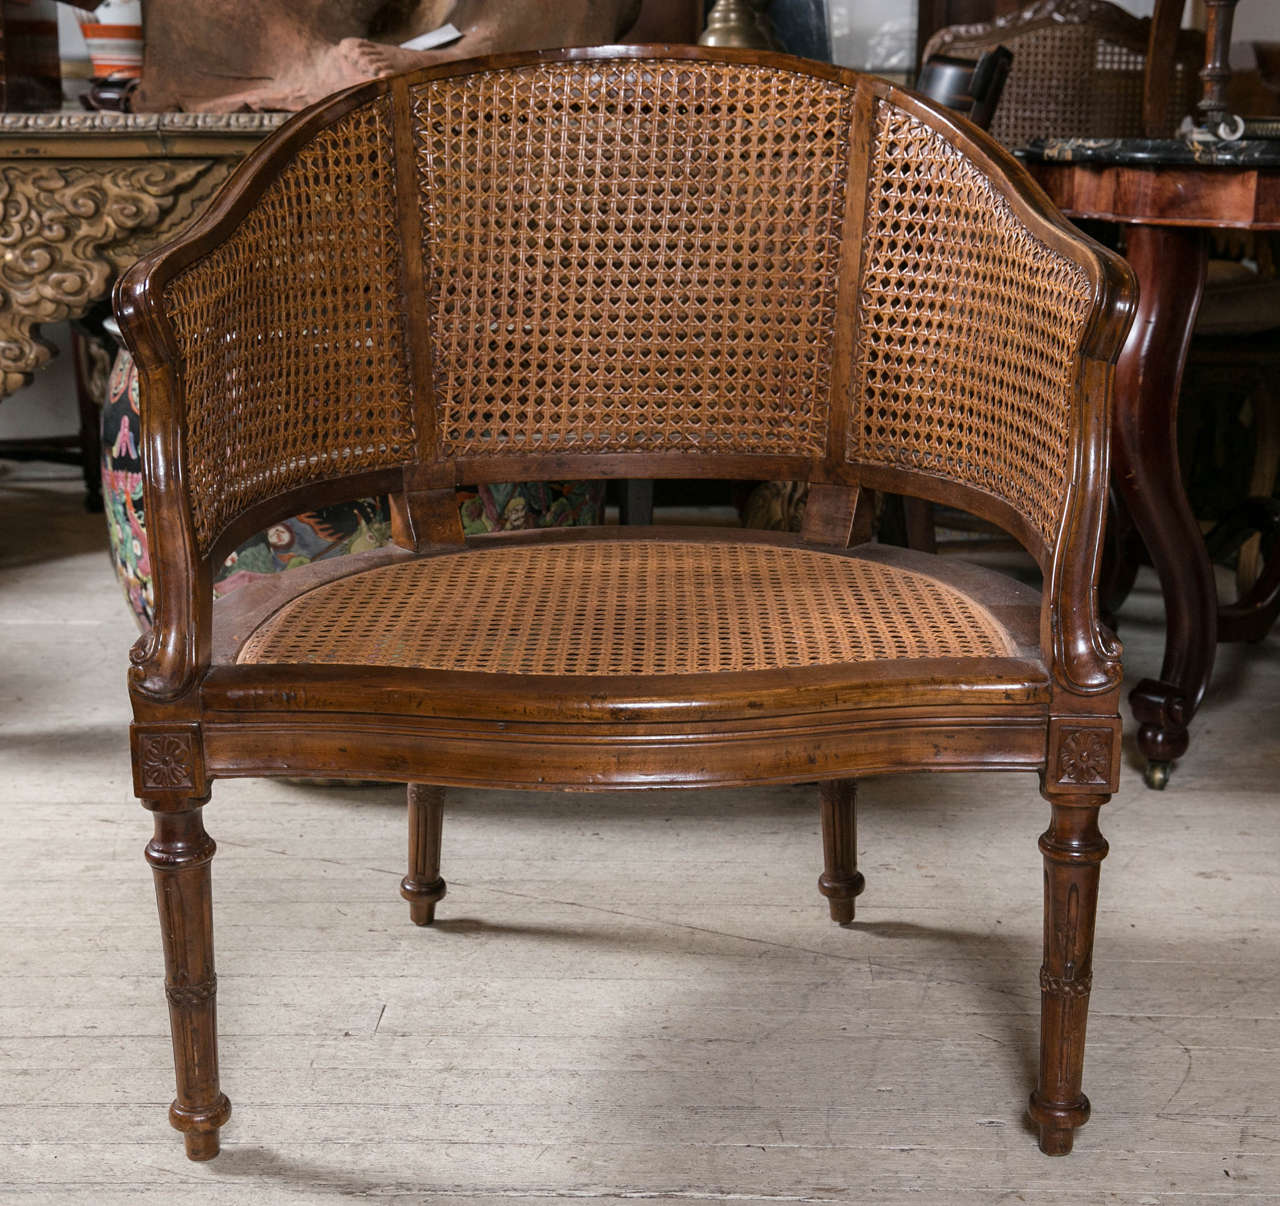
(180, 854)
(840, 880)
(422, 887)
(1073, 851)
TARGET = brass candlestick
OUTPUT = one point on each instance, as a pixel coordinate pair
(1212, 115)
(742, 23)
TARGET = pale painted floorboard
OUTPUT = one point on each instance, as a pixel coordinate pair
(628, 998)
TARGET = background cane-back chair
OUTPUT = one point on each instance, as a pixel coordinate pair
(625, 262)
(1079, 70)
(1086, 69)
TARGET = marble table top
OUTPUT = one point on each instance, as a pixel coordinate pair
(1155, 152)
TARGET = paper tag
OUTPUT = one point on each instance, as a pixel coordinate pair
(437, 37)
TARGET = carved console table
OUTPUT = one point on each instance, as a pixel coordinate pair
(83, 195)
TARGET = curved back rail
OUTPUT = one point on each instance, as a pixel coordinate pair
(624, 261)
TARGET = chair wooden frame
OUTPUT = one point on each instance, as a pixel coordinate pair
(1048, 707)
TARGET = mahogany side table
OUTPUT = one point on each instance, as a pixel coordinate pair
(1168, 193)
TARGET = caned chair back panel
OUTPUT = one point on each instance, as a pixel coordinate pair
(548, 264)
(635, 256)
(967, 329)
(1078, 70)
(291, 333)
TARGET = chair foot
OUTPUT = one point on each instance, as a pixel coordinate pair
(840, 880)
(1058, 1124)
(202, 1145)
(1056, 1143)
(200, 1127)
(423, 887)
(422, 898)
(840, 896)
(422, 912)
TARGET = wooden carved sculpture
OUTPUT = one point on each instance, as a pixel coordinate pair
(223, 55)
(67, 229)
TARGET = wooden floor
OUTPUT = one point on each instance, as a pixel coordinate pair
(628, 997)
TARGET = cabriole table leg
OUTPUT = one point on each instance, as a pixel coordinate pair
(1169, 262)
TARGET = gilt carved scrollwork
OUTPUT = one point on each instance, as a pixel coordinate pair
(65, 123)
(67, 229)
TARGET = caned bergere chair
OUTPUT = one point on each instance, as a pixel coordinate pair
(608, 263)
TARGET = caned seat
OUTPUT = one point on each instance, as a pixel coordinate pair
(636, 262)
(610, 608)
(681, 629)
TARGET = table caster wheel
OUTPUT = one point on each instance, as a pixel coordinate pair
(1156, 775)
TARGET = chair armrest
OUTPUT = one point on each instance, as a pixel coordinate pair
(984, 350)
(272, 358)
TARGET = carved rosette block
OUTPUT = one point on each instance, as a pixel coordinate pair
(67, 229)
(1083, 755)
(168, 761)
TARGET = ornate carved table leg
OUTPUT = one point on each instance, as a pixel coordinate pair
(1073, 851)
(1169, 262)
(840, 880)
(179, 854)
(422, 887)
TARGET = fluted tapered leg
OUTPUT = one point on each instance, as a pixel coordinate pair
(422, 887)
(180, 854)
(840, 880)
(1073, 851)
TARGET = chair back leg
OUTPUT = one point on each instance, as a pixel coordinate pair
(840, 880)
(422, 887)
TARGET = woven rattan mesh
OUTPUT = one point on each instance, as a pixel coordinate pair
(290, 332)
(967, 325)
(1074, 80)
(627, 607)
(632, 256)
